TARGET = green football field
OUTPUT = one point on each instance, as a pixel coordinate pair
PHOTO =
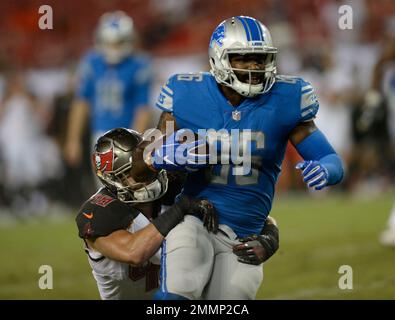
(318, 235)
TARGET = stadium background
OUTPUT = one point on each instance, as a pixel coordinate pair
(319, 231)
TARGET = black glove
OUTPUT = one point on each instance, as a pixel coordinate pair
(207, 214)
(256, 249)
(187, 205)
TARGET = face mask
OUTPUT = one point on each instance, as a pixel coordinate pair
(149, 192)
(115, 55)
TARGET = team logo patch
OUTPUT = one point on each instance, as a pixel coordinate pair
(218, 36)
(103, 161)
(101, 200)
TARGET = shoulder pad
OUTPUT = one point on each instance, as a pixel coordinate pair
(102, 214)
(165, 98)
(308, 101)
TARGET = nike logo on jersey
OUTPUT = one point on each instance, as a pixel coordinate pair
(88, 215)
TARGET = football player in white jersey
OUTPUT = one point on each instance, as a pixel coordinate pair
(120, 225)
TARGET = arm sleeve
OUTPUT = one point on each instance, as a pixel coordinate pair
(308, 102)
(166, 96)
(95, 221)
(317, 147)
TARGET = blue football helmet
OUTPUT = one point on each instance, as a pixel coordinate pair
(115, 36)
(242, 35)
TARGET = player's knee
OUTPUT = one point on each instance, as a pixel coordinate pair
(245, 286)
(186, 285)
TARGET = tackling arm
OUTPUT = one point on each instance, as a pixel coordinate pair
(136, 248)
(131, 248)
(170, 120)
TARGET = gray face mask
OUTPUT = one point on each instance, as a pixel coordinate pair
(148, 193)
(115, 55)
(151, 191)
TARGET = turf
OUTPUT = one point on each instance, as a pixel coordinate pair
(318, 235)
(29, 245)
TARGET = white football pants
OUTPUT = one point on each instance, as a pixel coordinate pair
(197, 264)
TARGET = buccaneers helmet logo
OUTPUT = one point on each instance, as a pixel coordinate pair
(103, 161)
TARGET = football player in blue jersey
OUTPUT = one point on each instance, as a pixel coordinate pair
(241, 94)
(114, 84)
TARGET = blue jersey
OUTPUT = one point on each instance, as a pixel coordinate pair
(114, 92)
(243, 201)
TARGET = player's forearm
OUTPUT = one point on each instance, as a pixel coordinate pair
(167, 121)
(131, 248)
(316, 147)
(143, 245)
(136, 248)
(76, 123)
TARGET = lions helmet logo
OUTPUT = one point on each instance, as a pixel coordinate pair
(218, 36)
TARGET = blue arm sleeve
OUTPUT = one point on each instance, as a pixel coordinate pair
(317, 147)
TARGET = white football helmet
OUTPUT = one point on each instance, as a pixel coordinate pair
(115, 36)
(242, 35)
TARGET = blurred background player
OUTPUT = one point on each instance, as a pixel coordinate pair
(120, 225)
(114, 84)
(30, 158)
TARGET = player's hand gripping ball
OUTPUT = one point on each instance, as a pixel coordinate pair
(183, 150)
